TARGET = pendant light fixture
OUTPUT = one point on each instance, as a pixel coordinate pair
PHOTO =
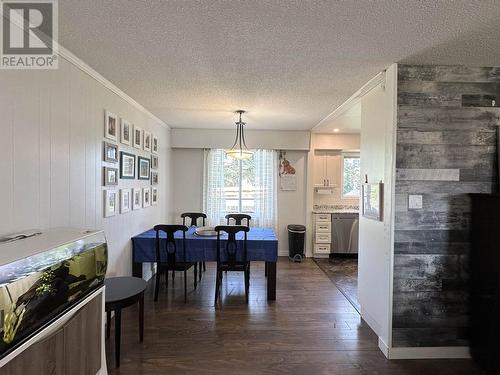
(239, 149)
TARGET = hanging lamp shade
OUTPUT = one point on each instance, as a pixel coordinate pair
(239, 149)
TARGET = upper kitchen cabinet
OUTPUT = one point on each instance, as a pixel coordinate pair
(327, 168)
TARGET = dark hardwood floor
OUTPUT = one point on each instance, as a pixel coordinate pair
(310, 329)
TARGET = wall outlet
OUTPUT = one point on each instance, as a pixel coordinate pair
(415, 202)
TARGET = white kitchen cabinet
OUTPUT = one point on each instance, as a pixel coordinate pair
(326, 167)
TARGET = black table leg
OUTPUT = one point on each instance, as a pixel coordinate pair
(118, 333)
(108, 324)
(271, 281)
(137, 269)
(141, 317)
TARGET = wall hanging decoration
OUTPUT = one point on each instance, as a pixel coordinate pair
(125, 200)
(136, 198)
(373, 201)
(110, 152)
(239, 149)
(155, 145)
(137, 137)
(147, 141)
(288, 178)
(146, 197)
(154, 178)
(154, 162)
(125, 132)
(127, 165)
(154, 196)
(144, 168)
(110, 203)
(110, 125)
(110, 176)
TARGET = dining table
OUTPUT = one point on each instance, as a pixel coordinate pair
(262, 245)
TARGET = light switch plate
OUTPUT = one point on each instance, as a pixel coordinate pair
(415, 201)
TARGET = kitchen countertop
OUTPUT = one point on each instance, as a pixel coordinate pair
(337, 211)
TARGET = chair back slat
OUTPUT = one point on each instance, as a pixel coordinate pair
(194, 216)
(238, 218)
(170, 244)
(231, 248)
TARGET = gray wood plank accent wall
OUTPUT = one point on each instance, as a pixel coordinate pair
(456, 141)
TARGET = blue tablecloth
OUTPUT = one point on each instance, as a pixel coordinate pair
(262, 245)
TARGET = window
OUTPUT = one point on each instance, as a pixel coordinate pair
(351, 178)
(241, 186)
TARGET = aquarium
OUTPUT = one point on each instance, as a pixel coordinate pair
(40, 287)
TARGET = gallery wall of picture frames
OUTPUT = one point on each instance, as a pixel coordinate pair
(129, 153)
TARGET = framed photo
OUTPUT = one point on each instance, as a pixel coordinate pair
(110, 152)
(136, 198)
(110, 203)
(125, 200)
(154, 162)
(155, 145)
(125, 132)
(154, 196)
(154, 178)
(110, 176)
(144, 167)
(127, 165)
(373, 201)
(110, 125)
(147, 141)
(146, 197)
(137, 137)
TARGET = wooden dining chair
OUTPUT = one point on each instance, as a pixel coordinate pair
(194, 216)
(228, 258)
(238, 218)
(169, 262)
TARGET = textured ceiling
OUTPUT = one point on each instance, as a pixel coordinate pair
(289, 63)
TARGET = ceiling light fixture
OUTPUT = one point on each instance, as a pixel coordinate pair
(336, 130)
(239, 149)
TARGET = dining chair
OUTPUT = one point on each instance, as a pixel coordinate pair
(238, 218)
(170, 263)
(194, 216)
(228, 258)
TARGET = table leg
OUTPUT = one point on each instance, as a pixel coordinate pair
(137, 269)
(271, 281)
(118, 333)
(141, 318)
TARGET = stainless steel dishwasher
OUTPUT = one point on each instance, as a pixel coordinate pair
(345, 233)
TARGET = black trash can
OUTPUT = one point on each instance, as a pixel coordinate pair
(296, 236)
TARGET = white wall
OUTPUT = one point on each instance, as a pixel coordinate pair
(188, 190)
(378, 127)
(51, 164)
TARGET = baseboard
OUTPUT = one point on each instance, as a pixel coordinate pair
(438, 352)
(383, 347)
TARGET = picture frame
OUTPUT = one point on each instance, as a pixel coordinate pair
(155, 145)
(146, 197)
(110, 176)
(110, 152)
(147, 141)
(154, 178)
(373, 201)
(137, 138)
(136, 198)
(125, 200)
(127, 165)
(143, 168)
(154, 162)
(154, 196)
(110, 125)
(110, 203)
(125, 132)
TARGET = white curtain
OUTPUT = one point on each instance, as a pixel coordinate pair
(265, 177)
(213, 189)
(265, 188)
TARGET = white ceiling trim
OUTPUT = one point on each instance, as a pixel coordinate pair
(80, 64)
(354, 99)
